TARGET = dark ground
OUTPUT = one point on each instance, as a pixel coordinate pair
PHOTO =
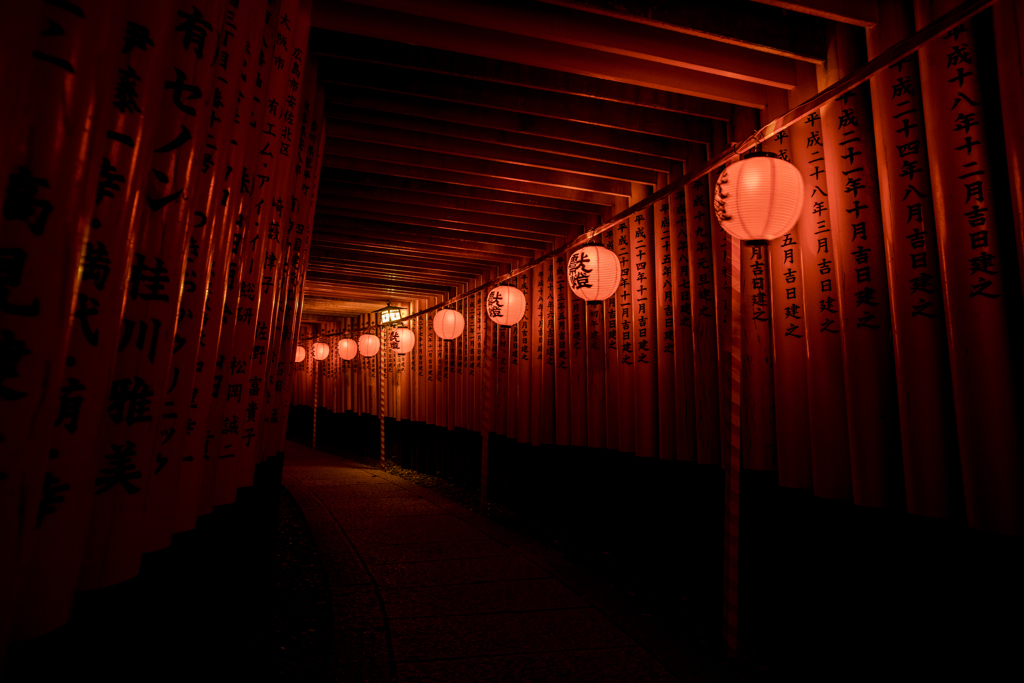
(242, 595)
(829, 591)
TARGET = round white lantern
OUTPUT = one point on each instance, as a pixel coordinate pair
(401, 340)
(506, 305)
(369, 345)
(593, 273)
(449, 324)
(347, 349)
(321, 351)
(759, 198)
(300, 354)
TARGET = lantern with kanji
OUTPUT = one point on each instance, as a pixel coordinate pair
(300, 354)
(321, 351)
(347, 349)
(759, 197)
(593, 273)
(368, 345)
(506, 305)
(449, 324)
(401, 340)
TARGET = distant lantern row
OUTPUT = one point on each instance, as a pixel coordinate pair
(763, 203)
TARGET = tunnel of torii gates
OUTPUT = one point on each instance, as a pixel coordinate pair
(152, 270)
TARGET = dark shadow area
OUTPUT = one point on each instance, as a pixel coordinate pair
(242, 594)
(828, 590)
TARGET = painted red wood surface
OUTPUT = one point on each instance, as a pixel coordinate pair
(579, 391)
(826, 390)
(644, 332)
(701, 244)
(967, 220)
(626, 398)
(55, 534)
(612, 369)
(927, 419)
(685, 407)
(757, 390)
(790, 319)
(663, 282)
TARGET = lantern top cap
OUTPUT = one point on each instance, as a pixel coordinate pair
(752, 155)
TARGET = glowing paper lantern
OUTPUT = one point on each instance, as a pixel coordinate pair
(759, 197)
(593, 273)
(300, 354)
(321, 351)
(347, 349)
(506, 305)
(449, 324)
(369, 345)
(401, 340)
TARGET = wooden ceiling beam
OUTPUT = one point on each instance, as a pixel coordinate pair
(599, 202)
(380, 23)
(516, 200)
(384, 283)
(860, 13)
(566, 148)
(470, 222)
(417, 277)
(484, 167)
(357, 223)
(517, 99)
(360, 48)
(604, 34)
(738, 22)
(387, 195)
(386, 250)
(438, 256)
(458, 267)
(442, 144)
(515, 122)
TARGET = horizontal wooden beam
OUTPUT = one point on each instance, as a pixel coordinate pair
(472, 222)
(488, 136)
(442, 144)
(412, 229)
(384, 283)
(860, 13)
(457, 267)
(360, 48)
(485, 167)
(514, 199)
(387, 195)
(738, 22)
(457, 262)
(600, 202)
(407, 246)
(517, 99)
(397, 26)
(605, 34)
(417, 276)
(516, 122)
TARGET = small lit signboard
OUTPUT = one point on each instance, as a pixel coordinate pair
(391, 315)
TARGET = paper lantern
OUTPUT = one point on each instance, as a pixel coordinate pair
(449, 324)
(593, 273)
(321, 351)
(369, 345)
(300, 354)
(506, 305)
(759, 197)
(347, 349)
(401, 340)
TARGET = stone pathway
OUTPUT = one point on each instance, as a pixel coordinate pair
(425, 590)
